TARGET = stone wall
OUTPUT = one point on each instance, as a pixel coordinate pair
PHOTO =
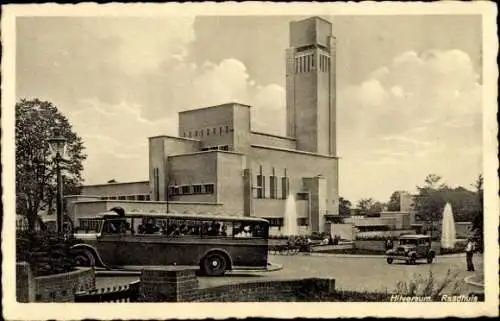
(371, 245)
(52, 288)
(178, 284)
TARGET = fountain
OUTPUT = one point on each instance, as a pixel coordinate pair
(290, 218)
(448, 235)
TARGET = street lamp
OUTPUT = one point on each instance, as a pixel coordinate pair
(58, 144)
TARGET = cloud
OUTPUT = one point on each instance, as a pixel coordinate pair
(122, 80)
(116, 139)
(423, 105)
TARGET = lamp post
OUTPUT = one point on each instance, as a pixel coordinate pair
(58, 144)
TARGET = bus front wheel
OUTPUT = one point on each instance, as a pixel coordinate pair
(214, 264)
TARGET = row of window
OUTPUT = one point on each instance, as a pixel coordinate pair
(273, 187)
(279, 222)
(140, 197)
(219, 147)
(191, 189)
(208, 132)
(307, 63)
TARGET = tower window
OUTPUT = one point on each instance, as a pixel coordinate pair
(220, 130)
(201, 133)
(209, 188)
(189, 134)
(195, 133)
(227, 129)
(214, 130)
(186, 189)
(197, 189)
(208, 132)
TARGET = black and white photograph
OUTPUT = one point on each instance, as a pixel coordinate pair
(249, 153)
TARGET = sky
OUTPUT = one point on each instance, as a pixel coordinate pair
(408, 88)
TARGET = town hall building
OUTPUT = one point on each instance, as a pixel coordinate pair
(218, 165)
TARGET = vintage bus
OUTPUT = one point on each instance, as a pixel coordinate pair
(214, 243)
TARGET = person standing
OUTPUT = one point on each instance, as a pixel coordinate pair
(469, 252)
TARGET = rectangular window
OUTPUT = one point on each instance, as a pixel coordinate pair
(224, 147)
(121, 198)
(141, 197)
(260, 186)
(220, 130)
(209, 188)
(201, 133)
(189, 134)
(214, 131)
(208, 132)
(275, 221)
(195, 133)
(186, 189)
(273, 187)
(302, 196)
(156, 180)
(303, 221)
(148, 197)
(284, 187)
(112, 197)
(197, 189)
(104, 198)
(131, 198)
(227, 129)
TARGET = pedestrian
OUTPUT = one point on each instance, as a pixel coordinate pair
(389, 244)
(469, 251)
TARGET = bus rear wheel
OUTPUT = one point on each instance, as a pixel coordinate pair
(214, 264)
(85, 258)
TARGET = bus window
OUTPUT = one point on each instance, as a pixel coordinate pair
(149, 226)
(88, 225)
(249, 229)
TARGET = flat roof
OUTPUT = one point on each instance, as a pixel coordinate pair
(206, 152)
(293, 151)
(415, 236)
(273, 135)
(175, 137)
(115, 183)
(215, 106)
(182, 216)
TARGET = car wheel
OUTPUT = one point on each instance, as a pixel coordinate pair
(412, 261)
(430, 258)
(390, 260)
(84, 258)
(214, 264)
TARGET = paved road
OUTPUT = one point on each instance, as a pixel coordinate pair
(350, 273)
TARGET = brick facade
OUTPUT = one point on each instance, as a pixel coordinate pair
(52, 288)
(177, 284)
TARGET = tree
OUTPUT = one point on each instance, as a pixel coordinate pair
(394, 204)
(429, 203)
(370, 207)
(36, 122)
(344, 207)
(477, 222)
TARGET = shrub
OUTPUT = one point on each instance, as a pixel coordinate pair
(429, 286)
(46, 252)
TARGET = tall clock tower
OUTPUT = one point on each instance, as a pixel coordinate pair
(311, 86)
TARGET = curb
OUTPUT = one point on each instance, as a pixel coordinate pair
(467, 280)
(365, 255)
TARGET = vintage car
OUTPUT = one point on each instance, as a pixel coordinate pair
(412, 248)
